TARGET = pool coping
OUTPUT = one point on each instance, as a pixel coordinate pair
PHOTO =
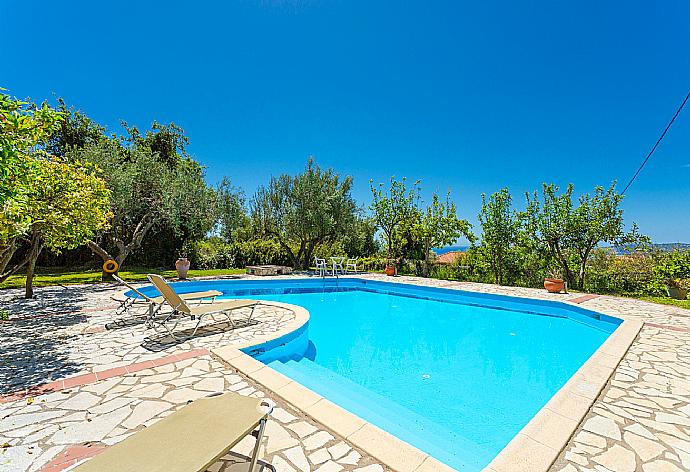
(534, 448)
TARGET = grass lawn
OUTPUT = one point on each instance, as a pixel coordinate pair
(46, 277)
(668, 301)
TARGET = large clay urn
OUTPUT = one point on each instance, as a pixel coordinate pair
(182, 266)
(554, 285)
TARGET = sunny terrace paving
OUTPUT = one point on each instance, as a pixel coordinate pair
(640, 421)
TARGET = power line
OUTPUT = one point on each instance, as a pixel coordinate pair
(656, 144)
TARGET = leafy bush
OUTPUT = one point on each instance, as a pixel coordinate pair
(213, 253)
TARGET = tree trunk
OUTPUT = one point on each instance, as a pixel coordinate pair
(583, 267)
(34, 252)
(103, 254)
(7, 254)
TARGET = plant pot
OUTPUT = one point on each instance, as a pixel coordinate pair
(182, 267)
(554, 285)
(390, 270)
(677, 293)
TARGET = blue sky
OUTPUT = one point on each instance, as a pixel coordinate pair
(467, 96)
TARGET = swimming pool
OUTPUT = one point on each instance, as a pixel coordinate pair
(456, 374)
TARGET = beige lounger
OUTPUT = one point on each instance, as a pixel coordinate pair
(154, 303)
(191, 439)
(181, 309)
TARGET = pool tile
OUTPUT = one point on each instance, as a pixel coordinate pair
(523, 454)
(270, 379)
(338, 419)
(385, 447)
(298, 395)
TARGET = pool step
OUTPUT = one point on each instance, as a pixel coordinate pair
(384, 413)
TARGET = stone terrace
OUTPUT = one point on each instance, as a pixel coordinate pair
(107, 384)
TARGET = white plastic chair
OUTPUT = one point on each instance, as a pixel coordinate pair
(337, 265)
(321, 268)
(351, 264)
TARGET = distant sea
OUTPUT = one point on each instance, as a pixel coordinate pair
(443, 250)
(619, 250)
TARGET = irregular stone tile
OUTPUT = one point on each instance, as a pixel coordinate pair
(330, 466)
(618, 459)
(283, 416)
(297, 457)
(317, 440)
(278, 438)
(338, 450)
(603, 427)
(591, 439)
(352, 458)
(661, 466)
(319, 457)
(144, 411)
(370, 468)
(302, 428)
(94, 430)
(281, 465)
(646, 449)
(210, 384)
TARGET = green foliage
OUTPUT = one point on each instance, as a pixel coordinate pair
(233, 222)
(23, 127)
(149, 194)
(438, 226)
(500, 228)
(214, 253)
(572, 232)
(304, 211)
(76, 131)
(673, 269)
(391, 207)
(68, 204)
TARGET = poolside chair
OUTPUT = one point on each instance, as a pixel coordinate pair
(351, 264)
(154, 304)
(180, 309)
(321, 267)
(191, 439)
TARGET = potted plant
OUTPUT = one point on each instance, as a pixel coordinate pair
(677, 288)
(390, 268)
(554, 283)
(182, 267)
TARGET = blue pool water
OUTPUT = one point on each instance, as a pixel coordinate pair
(456, 374)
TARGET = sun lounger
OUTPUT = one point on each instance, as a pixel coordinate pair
(154, 304)
(180, 308)
(191, 439)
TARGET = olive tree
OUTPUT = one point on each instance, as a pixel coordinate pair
(147, 193)
(305, 210)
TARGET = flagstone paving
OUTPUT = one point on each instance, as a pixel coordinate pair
(640, 422)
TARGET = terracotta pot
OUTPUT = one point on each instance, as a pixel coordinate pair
(182, 266)
(390, 270)
(554, 285)
(677, 293)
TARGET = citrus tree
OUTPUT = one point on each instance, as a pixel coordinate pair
(392, 206)
(69, 203)
(23, 126)
(500, 228)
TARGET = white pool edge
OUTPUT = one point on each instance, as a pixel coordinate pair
(534, 448)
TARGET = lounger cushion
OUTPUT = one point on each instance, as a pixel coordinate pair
(191, 439)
